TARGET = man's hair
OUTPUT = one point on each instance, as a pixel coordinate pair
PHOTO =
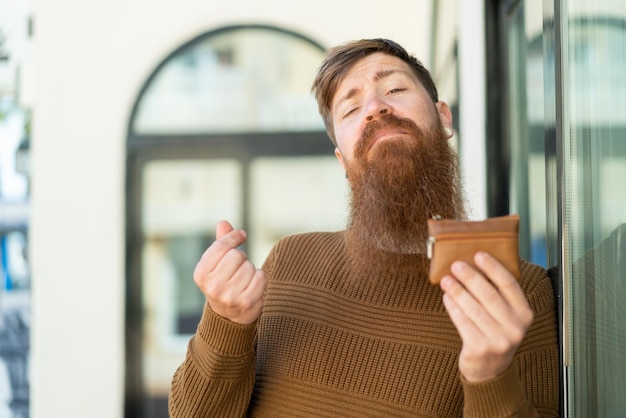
(339, 60)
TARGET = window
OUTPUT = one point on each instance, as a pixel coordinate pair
(594, 205)
(235, 80)
(225, 128)
(563, 145)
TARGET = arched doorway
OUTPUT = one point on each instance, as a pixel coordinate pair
(224, 128)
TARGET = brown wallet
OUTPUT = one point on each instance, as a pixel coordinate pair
(450, 240)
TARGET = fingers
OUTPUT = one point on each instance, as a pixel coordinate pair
(236, 268)
(223, 227)
(490, 312)
(463, 323)
(493, 312)
(231, 284)
(479, 297)
(493, 286)
(506, 285)
(239, 297)
(473, 318)
(227, 239)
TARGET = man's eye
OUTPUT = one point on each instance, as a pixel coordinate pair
(396, 90)
(349, 112)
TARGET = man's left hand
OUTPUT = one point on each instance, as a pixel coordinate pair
(491, 313)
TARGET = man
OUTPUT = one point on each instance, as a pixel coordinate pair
(346, 323)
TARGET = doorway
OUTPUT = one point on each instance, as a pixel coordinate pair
(225, 128)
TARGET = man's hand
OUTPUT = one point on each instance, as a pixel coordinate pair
(231, 284)
(491, 313)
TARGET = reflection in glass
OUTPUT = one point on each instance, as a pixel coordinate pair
(594, 206)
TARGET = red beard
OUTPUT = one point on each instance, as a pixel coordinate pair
(397, 185)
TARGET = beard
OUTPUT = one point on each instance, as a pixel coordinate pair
(396, 186)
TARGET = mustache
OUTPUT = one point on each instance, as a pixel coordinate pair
(368, 135)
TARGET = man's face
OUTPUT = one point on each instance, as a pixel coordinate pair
(376, 86)
(392, 142)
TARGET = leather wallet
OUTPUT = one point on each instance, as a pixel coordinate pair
(450, 240)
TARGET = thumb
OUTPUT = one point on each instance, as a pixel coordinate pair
(223, 228)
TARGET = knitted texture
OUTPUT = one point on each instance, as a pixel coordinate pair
(329, 344)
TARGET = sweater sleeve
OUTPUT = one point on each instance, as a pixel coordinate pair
(217, 375)
(530, 386)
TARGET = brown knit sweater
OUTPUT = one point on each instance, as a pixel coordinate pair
(329, 344)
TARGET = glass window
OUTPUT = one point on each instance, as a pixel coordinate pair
(225, 128)
(295, 195)
(525, 126)
(594, 205)
(237, 80)
(566, 120)
(182, 202)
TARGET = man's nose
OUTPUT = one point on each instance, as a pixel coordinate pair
(376, 108)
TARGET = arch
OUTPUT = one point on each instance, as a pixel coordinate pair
(245, 78)
(183, 177)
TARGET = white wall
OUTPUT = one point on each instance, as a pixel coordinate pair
(91, 58)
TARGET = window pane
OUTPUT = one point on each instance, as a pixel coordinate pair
(291, 195)
(526, 126)
(594, 167)
(238, 80)
(182, 202)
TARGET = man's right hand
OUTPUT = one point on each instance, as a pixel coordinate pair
(232, 285)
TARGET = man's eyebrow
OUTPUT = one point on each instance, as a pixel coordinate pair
(384, 73)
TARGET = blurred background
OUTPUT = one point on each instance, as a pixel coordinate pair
(129, 128)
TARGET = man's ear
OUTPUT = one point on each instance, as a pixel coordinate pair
(340, 157)
(445, 115)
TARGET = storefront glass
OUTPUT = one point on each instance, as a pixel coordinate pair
(593, 204)
(565, 95)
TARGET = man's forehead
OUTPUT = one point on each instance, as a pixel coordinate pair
(376, 66)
